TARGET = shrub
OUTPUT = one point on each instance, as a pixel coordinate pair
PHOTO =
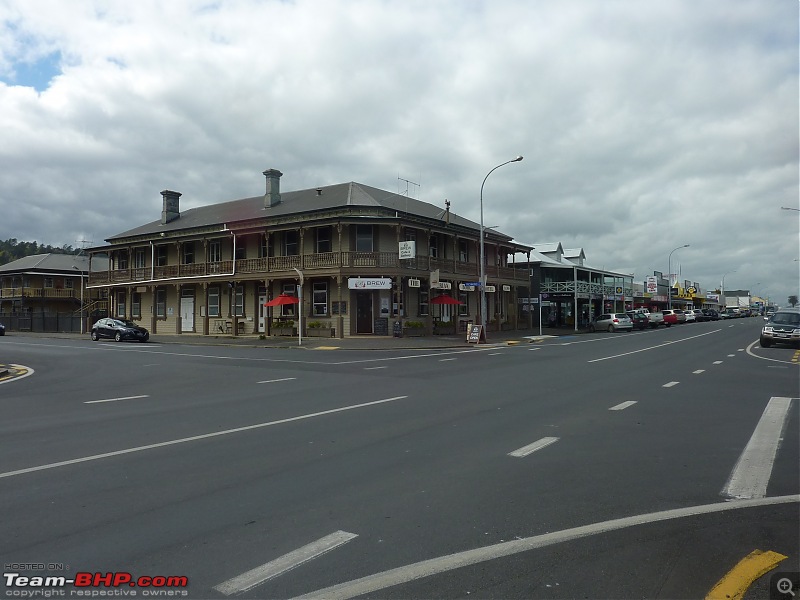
(414, 324)
(315, 325)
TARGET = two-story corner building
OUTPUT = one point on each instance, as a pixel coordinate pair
(572, 292)
(367, 259)
(47, 292)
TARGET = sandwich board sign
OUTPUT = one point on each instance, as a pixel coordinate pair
(476, 334)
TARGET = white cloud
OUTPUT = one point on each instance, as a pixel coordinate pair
(643, 125)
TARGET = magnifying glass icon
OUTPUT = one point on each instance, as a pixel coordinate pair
(785, 586)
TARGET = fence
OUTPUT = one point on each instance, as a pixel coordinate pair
(48, 323)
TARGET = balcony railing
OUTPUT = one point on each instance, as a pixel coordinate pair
(318, 263)
(30, 292)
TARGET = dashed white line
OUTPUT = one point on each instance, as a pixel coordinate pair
(116, 399)
(531, 448)
(751, 474)
(375, 368)
(447, 359)
(731, 355)
(623, 406)
(255, 577)
(699, 371)
(670, 384)
(717, 362)
(277, 380)
(494, 353)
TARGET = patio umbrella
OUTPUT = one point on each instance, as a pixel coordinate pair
(444, 300)
(282, 299)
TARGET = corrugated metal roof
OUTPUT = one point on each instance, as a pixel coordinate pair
(55, 263)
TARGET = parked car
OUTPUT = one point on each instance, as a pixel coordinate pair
(783, 327)
(2, 329)
(670, 317)
(119, 330)
(689, 316)
(656, 318)
(699, 316)
(711, 314)
(611, 322)
(640, 320)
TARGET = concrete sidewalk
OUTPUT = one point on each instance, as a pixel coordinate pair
(361, 342)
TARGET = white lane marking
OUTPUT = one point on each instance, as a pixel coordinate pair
(277, 380)
(717, 362)
(533, 349)
(17, 378)
(754, 355)
(494, 353)
(117, 399)
(751, 474)
(447, 359)
(699, 371)
(740, 350)
(652, 347)
(255, 577)
(670, 384)
(531, 448)
(731, 355)
(374, 368)
(442, 564)
(195, 438)
(623, 406)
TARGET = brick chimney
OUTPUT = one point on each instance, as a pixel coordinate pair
(171, 208)
(273, 195)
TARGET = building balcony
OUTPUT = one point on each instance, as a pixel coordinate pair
(318, 263)
(31, 292)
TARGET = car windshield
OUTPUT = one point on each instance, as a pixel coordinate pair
(125, 323)
(786, 319)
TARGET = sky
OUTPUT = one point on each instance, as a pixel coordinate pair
(644, 126)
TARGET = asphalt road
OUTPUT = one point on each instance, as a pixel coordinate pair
(315, 469)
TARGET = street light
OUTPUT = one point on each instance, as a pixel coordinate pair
(669, 272)
(482, 258)
(722, 289)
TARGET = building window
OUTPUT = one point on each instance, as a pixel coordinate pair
(320, 299)
(122, 260)
(238, 301)
(363, 238)
(323, 241)
(214, 252)
(463, 308)
(138, 259)
(463, 250)
(262, 246)
(121, 304)
(287, 310)
(161, 256)
(188, 253)
(422, 310)
(398, 308)
(136, 305)
(410, 234)
(290, 246)
(241, 252)
(339, 308)
(48, 282)
(161, 303)
(69, 284)
(213, 302)
(433, 246)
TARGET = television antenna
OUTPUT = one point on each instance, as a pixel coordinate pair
(408, 182)
(83, 243)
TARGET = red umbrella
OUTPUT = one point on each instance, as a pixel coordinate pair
(444, 300)
(282, 299)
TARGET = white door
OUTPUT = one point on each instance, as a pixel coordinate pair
(262, 314)
(187, 314)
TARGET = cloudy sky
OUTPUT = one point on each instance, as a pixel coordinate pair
(644, 126)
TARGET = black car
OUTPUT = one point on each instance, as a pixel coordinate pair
(781, 328)
(710, 314)
(119, 329)
(640, 320)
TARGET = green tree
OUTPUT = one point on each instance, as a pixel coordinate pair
(793, 301)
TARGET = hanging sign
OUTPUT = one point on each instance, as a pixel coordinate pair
(407, 250)
(369, 283)
(413, 283)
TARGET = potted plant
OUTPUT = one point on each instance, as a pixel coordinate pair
(444, 327)
(319, 329)
(414, 328)
(284, 328)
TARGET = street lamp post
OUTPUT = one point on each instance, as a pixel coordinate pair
(482, 257)
(669, 273)
(722, 289)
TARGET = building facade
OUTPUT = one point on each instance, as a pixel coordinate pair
(364, 258)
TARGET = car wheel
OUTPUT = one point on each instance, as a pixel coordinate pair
(765, 343)
(94, 336)
(667, 324)
(144, 339)
(611, 329)
(591, 328)
(118, 337)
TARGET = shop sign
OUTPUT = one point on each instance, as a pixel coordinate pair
(506, 288)
(490, 289)
(407, 250)
(467, 287)
(652, 285)
(413, 283)
(369, 283)
(442, 285)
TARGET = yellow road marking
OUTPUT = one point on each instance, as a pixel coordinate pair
(327, 348)
(736, 581)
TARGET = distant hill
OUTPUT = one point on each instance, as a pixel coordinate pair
(12, 249)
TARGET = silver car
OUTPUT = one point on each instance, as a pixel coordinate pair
(611, 322)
